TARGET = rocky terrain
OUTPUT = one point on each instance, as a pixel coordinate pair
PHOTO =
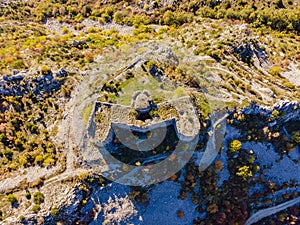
(15, 85)
(145, 76)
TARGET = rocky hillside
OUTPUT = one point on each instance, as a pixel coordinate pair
(237, 61)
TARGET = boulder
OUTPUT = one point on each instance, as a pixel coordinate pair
(15, 72)
(6, 78)
(48, 77)
(62, 73)
(78, 44)
(17, 78)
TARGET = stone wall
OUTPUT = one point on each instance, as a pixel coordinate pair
(186, 125)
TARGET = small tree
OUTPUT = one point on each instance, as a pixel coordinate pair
(279, 4)
(168, 18)
(235, 146)
(36, 208)
(38, 198)
(275, 115)
(28, 195)
(119, 16)
(23, 160)
(83, 176)
(45, 70)
(38, 159)
(244, 172)
(54, 211)
(2, 137)
(296, 137)
(22, 218)
(49, 161)
(275, 70)
(11, 199)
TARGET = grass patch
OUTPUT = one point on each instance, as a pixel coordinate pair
(180, 92)
(86, 113)
(157, 90)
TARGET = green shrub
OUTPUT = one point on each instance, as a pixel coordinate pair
(138, 20)
(142, 29)
(54, 211)
(2, 137)
(38, 159)
(23, 160)
(296, 137)
(275, 70)
(11, 198)
(48, 161)
(289, 85)
(45, 69)
(38, 198)
(176, 18)
(28, 195)
(119, 16)
(36, 208)
(18, 64)
(66, 91)
(21, 218)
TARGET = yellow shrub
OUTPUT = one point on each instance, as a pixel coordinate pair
(235, 146)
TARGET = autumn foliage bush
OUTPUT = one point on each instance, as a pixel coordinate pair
(235, 146)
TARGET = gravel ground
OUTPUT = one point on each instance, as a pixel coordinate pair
(32, 174)
(55, 26)
(164, 204)
(293, 74)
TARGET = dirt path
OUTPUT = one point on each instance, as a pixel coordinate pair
(270, 211)
(32, 174)
(65, 175)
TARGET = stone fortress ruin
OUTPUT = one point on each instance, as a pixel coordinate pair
(144, 115)
(144, 125)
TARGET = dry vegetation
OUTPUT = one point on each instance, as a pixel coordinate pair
(205, 28)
